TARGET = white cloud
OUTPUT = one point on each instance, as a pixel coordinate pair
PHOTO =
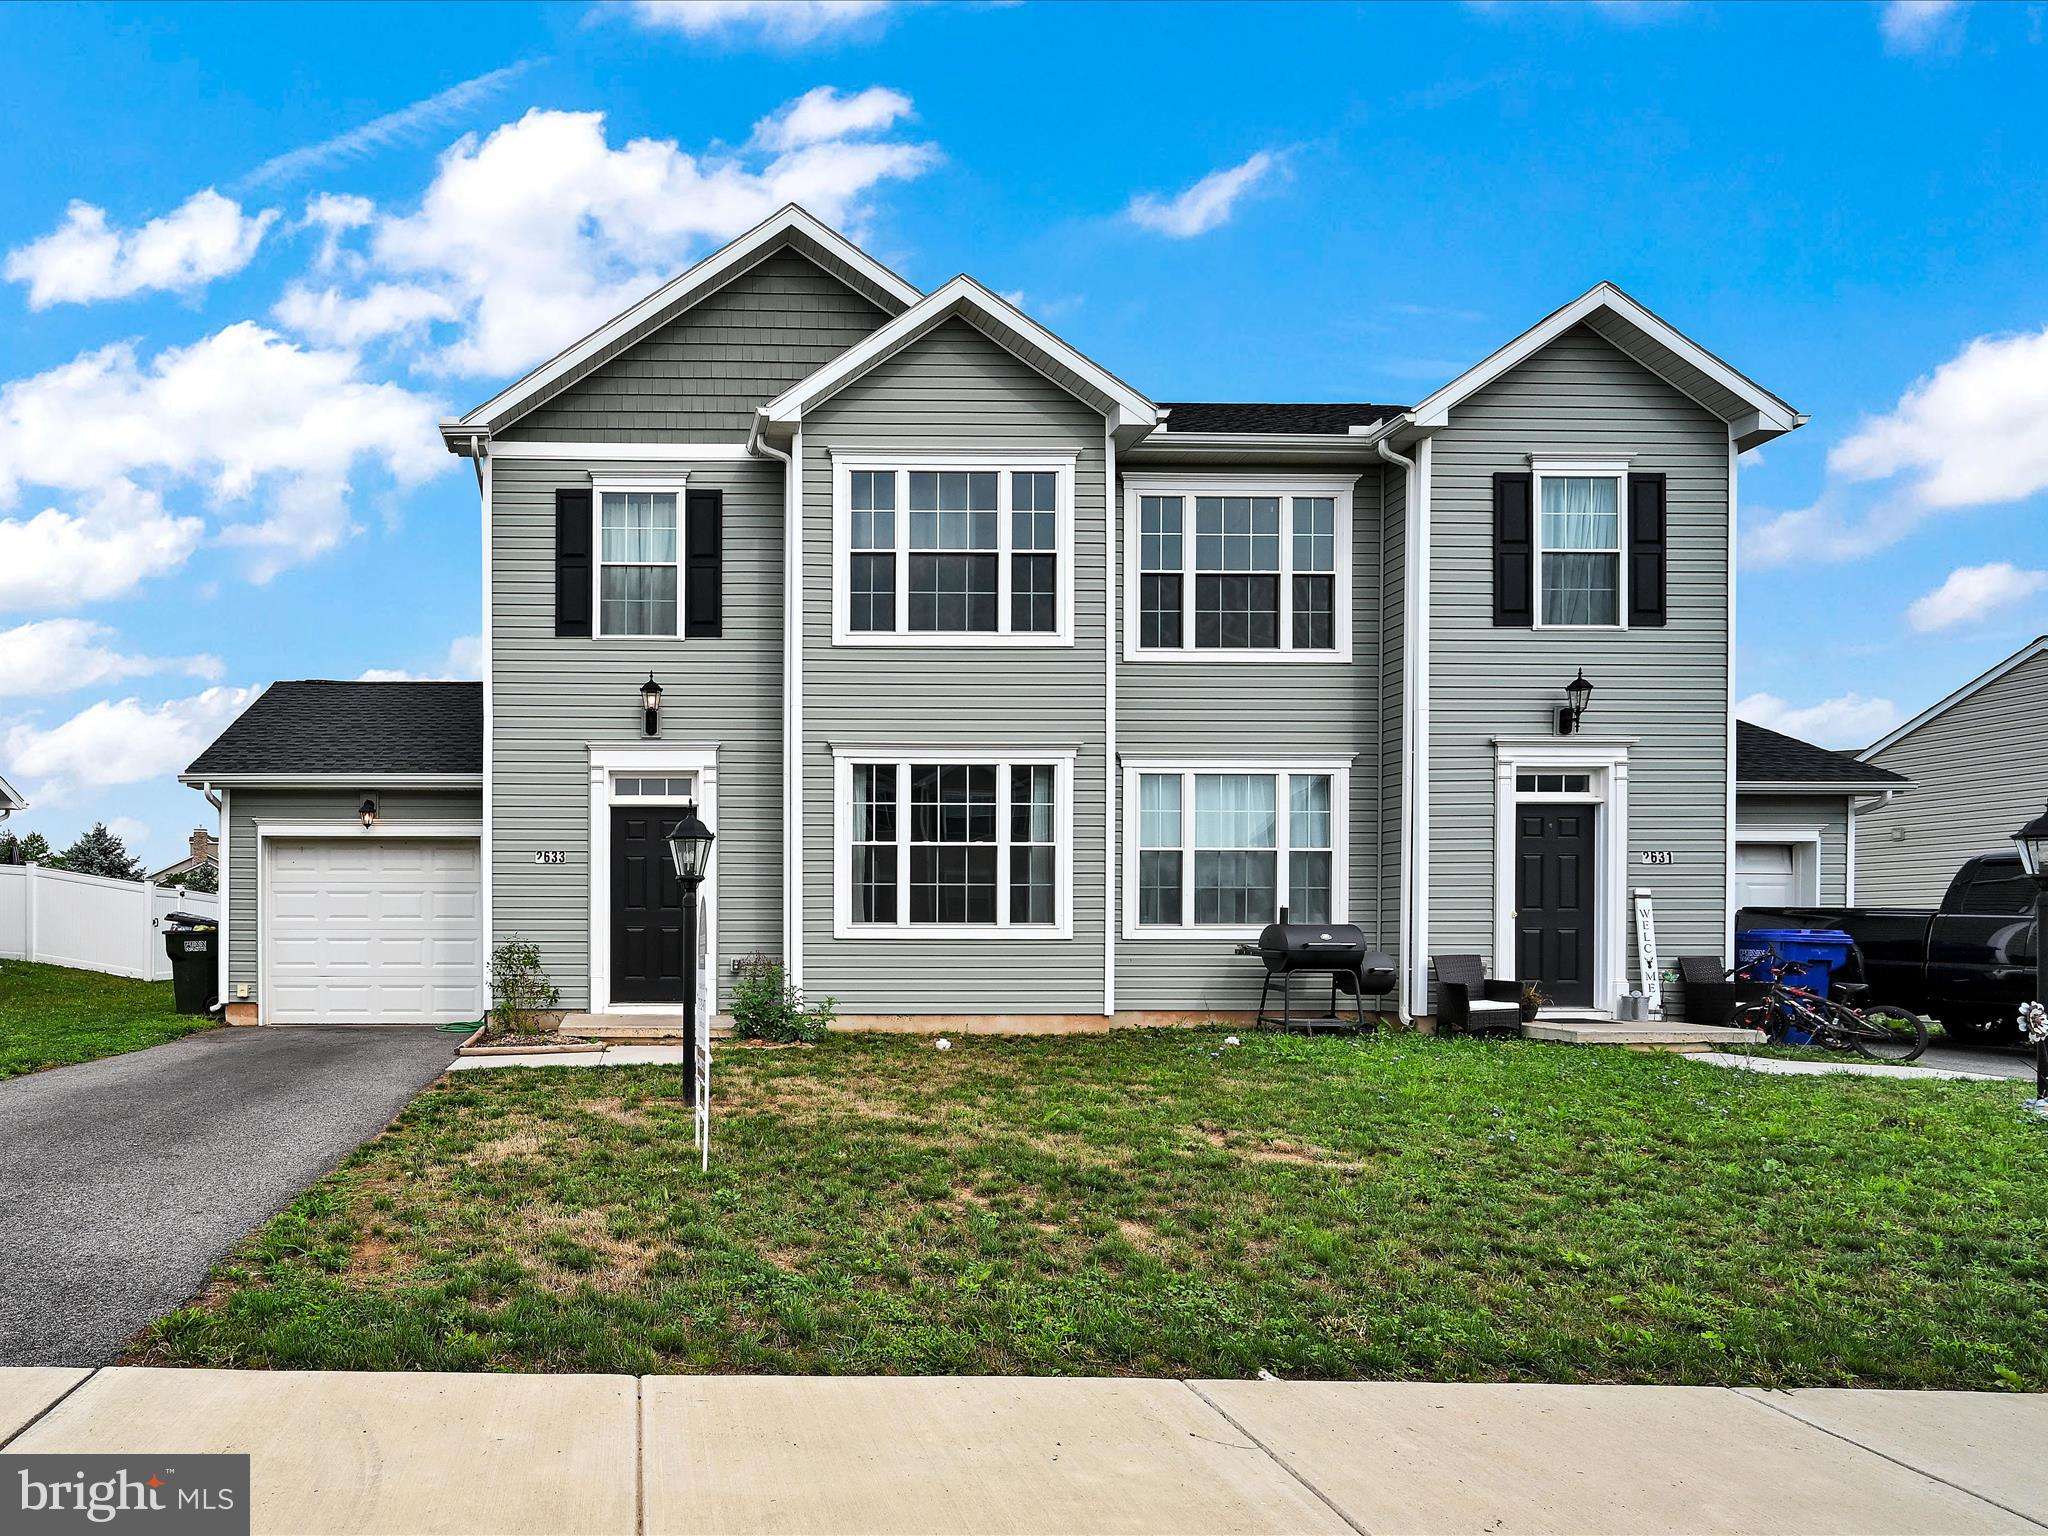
(541, 230)
(120, 538)
(823, 114)
(1852, 720)
(119, 741)
(271, 431)
(402, 126)
(464, 662)
(59, 655)
(1913, 26)
(776, 23)
(133, 833)
(383, 309)
(85, 259)
(1972, 593)
(1207, 204)
(1972, 433)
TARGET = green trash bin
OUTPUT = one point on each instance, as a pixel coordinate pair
(190, 941)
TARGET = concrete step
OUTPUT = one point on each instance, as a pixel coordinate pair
(1643, 1034)
(636, 1028)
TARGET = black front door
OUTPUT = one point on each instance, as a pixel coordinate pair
(647, 908)
(1554, 900)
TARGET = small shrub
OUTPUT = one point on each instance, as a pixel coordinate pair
(520, 990)
(766, 1005)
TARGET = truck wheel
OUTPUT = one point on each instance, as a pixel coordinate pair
(1979, 1029)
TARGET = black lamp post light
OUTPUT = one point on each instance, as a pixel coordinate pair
(2032, 842)
(1578, 694)
(650, 708)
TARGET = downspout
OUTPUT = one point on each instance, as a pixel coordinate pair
(792, 699)
(1857, 806)
(1403, 901)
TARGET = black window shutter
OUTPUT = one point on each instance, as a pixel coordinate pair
(573, 519)
(1514, 550)
(1646, 525)
(703, 557)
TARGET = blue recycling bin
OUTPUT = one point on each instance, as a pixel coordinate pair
(1766, 953)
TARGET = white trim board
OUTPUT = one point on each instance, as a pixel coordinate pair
(623, 453)
(2019, 658)
(1606, 764)
(642, 758)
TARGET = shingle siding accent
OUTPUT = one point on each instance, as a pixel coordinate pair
(955, 389)
(247, 806)
(1252, 708)
(1668, 687)
(1762, 814)
(699, 378)
(553, 699)
(1978, 775)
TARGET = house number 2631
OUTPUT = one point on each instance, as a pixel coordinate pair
(550, 856)
(1656, 855)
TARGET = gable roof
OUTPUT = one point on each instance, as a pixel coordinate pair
(1764, 756)
(788, 226)
(2018, 658)
(1333, 419)
(1751, 411)
(1003, 323)
(317, 728)
(10, 800)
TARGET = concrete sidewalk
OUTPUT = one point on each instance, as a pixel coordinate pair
(419, 1454)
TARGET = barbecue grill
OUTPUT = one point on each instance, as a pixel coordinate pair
(1338, 950)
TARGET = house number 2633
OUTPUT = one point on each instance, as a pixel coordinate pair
(1656, 855)
(550, 856)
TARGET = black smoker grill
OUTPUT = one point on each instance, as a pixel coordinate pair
(1336, 950)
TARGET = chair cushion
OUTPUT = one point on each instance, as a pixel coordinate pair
(1480, 1005)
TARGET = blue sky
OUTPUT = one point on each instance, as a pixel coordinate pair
(251, 253)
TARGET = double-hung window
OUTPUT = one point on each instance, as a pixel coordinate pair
(1226, 846)
(935, 842)
(1578, 544)
(638, 562)
(968, 550)
(1233, 565)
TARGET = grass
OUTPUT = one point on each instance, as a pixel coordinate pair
(1158, 1203)
(51, 1016)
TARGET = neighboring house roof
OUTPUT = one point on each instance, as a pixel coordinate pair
(2018, 658)
(205, 850)
(1003, 323)
(1764, 756)
(10, 800)
(787, 226)
(1334, 419)
(320, 729)
(1753, 413)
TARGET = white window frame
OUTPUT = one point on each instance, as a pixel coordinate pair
(1001, 759)
(1336, 769)
(1061, 466)
(1615, 469)
(1217, 483)
(669, 482)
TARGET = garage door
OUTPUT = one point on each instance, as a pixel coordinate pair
(376, 931)
(1766, 875)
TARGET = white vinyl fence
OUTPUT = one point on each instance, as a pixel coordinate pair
(91, 923)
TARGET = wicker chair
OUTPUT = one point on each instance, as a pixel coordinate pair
(1468, 1004)
(1710, 996)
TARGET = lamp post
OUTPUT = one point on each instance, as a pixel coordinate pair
(1578, 694)
(2032, 842)
(689, 844)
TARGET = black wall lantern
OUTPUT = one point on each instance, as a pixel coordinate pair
(368, 812)
(1578, 694)
(650, 707)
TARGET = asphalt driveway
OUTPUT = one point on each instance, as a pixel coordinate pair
(123, 1180)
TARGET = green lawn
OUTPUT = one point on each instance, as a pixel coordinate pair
(1158, 1203)
(51, 1016)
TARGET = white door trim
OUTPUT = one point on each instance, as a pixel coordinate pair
(644, 758)
(383, 831)
(1606, 765)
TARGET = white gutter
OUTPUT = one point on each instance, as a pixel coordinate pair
(792, 692)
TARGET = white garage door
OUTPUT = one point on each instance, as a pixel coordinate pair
(376, 931)
(1766, 875)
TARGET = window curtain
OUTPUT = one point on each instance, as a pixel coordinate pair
(1581, 543)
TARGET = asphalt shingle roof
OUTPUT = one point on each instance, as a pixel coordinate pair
(1771, 757)
(1227, 416)
(328, 727)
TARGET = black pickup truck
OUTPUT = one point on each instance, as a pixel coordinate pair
(1969, 963)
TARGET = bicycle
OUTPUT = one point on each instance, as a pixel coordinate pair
(1790, 1015)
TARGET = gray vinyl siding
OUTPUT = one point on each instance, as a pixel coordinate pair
(1762, 814)
(553, 699)
(1978, 775)
(1666, 687)
(699, 378)
(1254, 708)
(248, 806)
(955, 389)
